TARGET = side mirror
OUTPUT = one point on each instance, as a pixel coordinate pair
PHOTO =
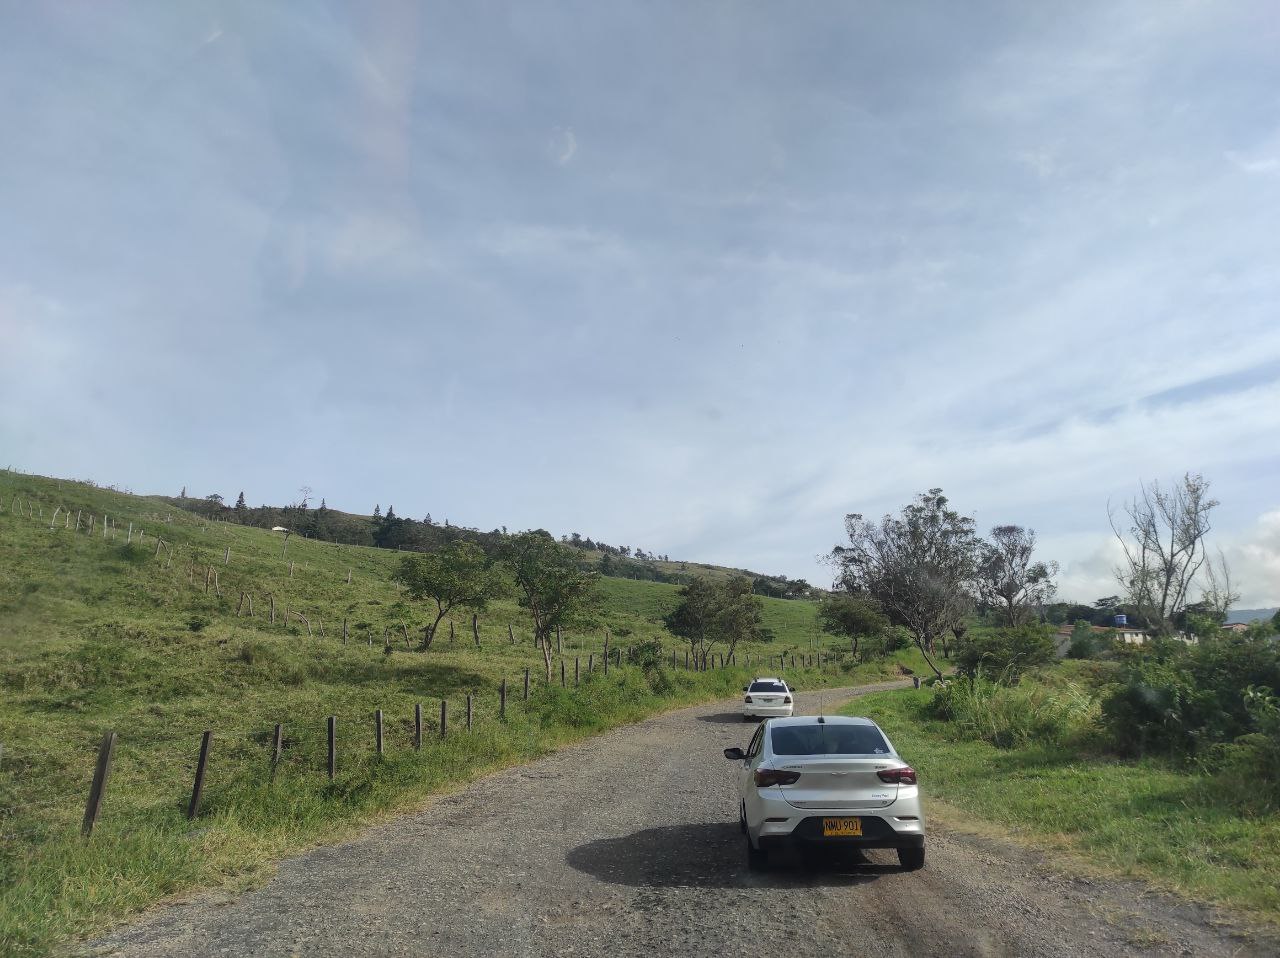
(735, 754)
(746, 688)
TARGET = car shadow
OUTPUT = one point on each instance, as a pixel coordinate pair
(713, 855)
(726, 718)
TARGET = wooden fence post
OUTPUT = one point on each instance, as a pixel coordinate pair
(290, 570)
(193, 807)
(277, 749)
(452, 635)
(417, 727)
(78, 511)
(526, 685)
(226, 556)
(559, 642)
(469, 713)
(606, 654)
(475, 628)
(591, 663)
(562, 673)
(377, 730)
(444, 717)
(333, 746)
(101, 772)
(272, 596)
(576, 663)
(344, 630)
(511, 634)
(502, 699)
(348, 577)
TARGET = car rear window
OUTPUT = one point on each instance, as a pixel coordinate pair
(768, 687)
(829, 739)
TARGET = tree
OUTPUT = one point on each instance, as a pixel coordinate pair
(851, 616)
(240, 503)
(1008, 652)
(214, 497)
(1083, 644)
(549, 583)
(711, 613)
(917, 565)
(458, 576)
(377, 512)
(1007, 578)
(1275, 621)
(1163, 545)
(183, 493)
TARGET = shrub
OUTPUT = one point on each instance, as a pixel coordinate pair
(1009, 716)
(1179, 700)
(1083, 643)
(1005, 652)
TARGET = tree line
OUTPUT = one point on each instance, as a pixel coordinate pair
(926, 570)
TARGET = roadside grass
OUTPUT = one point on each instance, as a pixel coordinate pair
(1176, 827)
(98, 634)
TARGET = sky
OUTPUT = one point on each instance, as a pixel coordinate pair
(698, 277)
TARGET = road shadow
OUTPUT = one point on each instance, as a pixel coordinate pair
(726, 718)
(713, 855)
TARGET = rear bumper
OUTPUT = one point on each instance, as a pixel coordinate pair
(877, 832)
(768, 711)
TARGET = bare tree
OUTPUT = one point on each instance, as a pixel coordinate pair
(917, 565)
(1218, 595)
(1008, 579)
(1163, 542)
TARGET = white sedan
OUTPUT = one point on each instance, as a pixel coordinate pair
(767, 698)
(827, 779)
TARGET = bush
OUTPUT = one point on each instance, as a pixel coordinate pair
(1083, 643)
(1009, 716)
(1005, 652)
(1180, 701)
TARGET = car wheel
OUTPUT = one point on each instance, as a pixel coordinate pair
(742, 817)
(746, 718)
(757, 858)
(911, 859)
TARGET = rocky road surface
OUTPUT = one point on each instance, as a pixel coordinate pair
(628, 844)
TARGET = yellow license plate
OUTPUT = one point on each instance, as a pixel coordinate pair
(836, 827)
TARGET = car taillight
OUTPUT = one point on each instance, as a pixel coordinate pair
(786, 700)
(775, 776)
(898, 776)
(747, 700)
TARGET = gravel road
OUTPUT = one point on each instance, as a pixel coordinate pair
(628, 844)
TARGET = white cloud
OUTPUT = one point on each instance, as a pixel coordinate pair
(563, 145)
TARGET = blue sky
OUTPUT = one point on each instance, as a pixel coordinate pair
(697, 277)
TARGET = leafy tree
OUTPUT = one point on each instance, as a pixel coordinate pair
(1008, 652)
(917, 565)
(240, 503)
(549, 583)
(851, 616)
(1275, 622)
(1163, 542)
(712, 613)
(458, 576)
(214, 498)
(1008, 579)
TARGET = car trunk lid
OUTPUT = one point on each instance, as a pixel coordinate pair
(838, 783)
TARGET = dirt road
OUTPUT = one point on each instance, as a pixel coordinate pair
(628, 844)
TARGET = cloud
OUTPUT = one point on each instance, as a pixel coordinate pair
(563, 145)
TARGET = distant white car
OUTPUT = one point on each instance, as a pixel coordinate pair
(767, 698)
(827, 779)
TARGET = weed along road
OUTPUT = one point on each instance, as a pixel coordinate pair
(628, 844)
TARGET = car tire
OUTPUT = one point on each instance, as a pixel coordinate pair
(757, 858)
(747, 718)
(742, 817)
(911, 859)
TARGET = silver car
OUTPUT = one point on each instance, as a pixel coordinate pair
(827, 780)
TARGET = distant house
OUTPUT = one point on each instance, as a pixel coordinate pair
(1236, 627)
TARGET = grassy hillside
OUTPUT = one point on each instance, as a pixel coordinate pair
(99, 632)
